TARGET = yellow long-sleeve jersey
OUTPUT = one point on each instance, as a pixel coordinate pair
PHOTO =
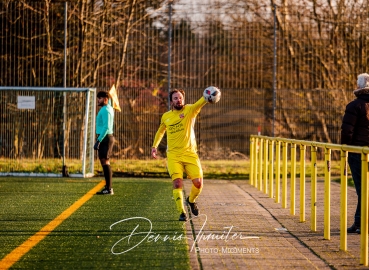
(179, 126)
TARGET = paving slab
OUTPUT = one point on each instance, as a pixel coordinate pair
(241, 227)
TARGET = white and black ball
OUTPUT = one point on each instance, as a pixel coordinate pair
(212, 94)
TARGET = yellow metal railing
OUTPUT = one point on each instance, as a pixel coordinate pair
(265, 174)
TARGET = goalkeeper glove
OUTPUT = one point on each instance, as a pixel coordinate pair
(97, 145)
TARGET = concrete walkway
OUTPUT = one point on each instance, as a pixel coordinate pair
(240, 227)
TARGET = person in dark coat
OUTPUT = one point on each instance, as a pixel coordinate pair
(355, 131)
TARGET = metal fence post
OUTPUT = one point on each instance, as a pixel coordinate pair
(278, 172)
(260, 184)
(169, 49)
(256, 158)
(327, 194)
(252, 160)
(274, 65)
(271, 163)
(64, 168)
(364, 210)
(265, 167)
(343, 211)
(313, 188)
(293, 180)
(302, 182)
(284, 174)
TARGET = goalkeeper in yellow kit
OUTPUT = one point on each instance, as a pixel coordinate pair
(181, 148)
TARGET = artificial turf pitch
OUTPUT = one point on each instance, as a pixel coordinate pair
(136, 228)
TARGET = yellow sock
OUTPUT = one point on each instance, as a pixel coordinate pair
(178, 198)
(195, 192)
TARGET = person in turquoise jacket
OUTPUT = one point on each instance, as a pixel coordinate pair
(105, 139)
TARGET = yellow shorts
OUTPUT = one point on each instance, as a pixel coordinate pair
(180, 163)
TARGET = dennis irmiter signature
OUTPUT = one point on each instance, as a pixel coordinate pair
(148, 235)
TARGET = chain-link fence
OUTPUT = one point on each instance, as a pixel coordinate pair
(287, 70)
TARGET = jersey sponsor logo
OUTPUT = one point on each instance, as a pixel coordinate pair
(175, 124)
(177, 127)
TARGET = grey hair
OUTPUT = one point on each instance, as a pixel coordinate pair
(363, 81)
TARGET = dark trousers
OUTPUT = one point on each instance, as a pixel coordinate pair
(106, 147)
(354, 161)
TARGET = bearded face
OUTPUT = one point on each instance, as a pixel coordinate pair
(101, 101)
(177, 101)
